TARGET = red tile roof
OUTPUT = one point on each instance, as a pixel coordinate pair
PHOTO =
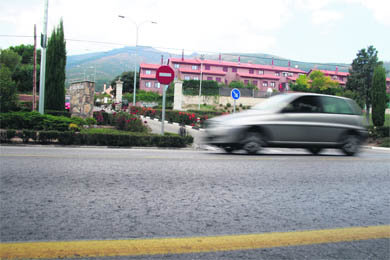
(257, 76)
(236, 64)
(149, 66)
(331, 73)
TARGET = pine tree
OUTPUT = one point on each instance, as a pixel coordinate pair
(379, 96)
(55, 70)
(361, 73)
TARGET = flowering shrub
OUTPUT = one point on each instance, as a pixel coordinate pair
(129, 122)
(192, 118)
(74, 127)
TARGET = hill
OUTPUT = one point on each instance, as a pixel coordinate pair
(103, 67)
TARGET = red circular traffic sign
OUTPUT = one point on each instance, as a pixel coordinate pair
(165, 75)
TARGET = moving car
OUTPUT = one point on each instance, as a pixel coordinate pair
(297, 120)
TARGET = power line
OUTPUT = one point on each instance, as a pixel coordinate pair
(194, 51)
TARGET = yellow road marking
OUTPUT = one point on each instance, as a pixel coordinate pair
(162, 246)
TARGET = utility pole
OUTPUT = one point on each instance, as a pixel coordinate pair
(35, 69)
(43, 61)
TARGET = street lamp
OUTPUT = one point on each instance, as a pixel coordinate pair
(200, 83)
(136, 47)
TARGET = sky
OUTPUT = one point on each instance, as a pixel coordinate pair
(302, 30)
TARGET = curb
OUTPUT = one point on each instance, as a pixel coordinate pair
(376, 148)
(175, 124)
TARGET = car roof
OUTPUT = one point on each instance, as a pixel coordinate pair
(299, 94)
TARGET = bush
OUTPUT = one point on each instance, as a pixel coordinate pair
(46, 137)
(379, 131)
(27, 135)
(36, 121)
(385, 142)
(64, 113)
(90, 121)
(128, 122)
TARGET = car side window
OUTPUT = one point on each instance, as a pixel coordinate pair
(306, 104)
(336, 106)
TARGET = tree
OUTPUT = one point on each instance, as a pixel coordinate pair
(379, 96)
(317, 82)
(322, 83)
(361, 74)
(55, 70)
(8, 97)
(128, 81)
(26, 52)
(10, 59)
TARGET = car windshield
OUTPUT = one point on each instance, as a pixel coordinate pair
(273, 103)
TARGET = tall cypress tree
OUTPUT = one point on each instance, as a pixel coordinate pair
(379, 96)
(55, 70)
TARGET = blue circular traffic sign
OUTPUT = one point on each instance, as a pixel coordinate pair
(235, 94)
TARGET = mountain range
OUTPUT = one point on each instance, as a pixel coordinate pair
(103, 67)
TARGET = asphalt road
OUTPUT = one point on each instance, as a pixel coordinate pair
(64, 194)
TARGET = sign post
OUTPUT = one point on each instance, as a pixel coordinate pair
(165, 76)
(235, 95)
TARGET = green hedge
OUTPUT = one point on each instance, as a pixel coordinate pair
(72, 138)
(37, 121)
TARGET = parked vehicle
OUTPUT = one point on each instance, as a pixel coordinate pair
(67, 103)
(298, 120)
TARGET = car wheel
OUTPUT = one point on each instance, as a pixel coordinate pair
(228, 149)
(314, 150)
(351, 144)
(252, 142)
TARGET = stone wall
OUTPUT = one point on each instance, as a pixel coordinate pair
(216, 100)
(82, 98)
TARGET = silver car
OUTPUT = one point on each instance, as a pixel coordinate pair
(298, 120)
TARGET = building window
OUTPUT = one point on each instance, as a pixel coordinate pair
(148, 84)
(209, 78)
(225, 69)
(246, 82)
(234, 69)
(207, 67)
(148, 72)
(285, 74)
(187, 78)
(265, 83)
(277, 74)
(194, 67)
(272, 84)
(157, 84)
(218, 79)
(254, 82)
(291, 74)
(261, 72)
(251, 71)
(176, 65)
(196, 78)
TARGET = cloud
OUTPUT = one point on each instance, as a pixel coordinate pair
(328, 17)
(380, 10)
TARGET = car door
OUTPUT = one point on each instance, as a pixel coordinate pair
(338, 116)
(299, 121)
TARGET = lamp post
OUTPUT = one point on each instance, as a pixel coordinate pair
(136, 47)
(200, 83)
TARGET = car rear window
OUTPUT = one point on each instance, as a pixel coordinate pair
(335, 105)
